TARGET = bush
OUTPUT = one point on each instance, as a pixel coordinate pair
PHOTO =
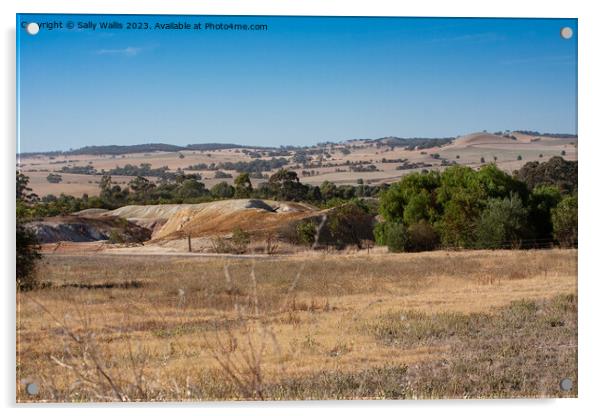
(350, 224)
(503, 223)
(306, 232)
(564, 222)
(54, 178)
(241, 240)
(238, 244)
(391, 234)
(422, 236)
(115, 237)
(222, 190)
(27, 256)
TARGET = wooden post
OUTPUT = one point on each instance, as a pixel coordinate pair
(189, 244)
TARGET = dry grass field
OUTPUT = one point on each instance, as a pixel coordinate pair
(464, 324)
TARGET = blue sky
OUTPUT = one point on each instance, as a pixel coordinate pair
(304, 80)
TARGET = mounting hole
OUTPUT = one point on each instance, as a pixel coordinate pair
(566, 384)
(566, 32)
(32, 389)
(32, 28)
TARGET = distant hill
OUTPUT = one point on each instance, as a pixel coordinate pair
(553, 135)
(138, 148)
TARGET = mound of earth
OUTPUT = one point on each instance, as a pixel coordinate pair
(222, 217)
(163, 223)
(90, 212)
(76, 228)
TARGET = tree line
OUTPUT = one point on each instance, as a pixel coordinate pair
(486, 208)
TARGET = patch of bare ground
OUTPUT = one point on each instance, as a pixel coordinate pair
(118, 328)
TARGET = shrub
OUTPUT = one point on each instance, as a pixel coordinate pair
(564, 221)
(54, 178)
(240, 239)
(503, 223)
(27, 256)
(237, 244)
(115, 237)
(222, 190)
(306, 232)
(350, 224)
(422, 236)
(391, 234)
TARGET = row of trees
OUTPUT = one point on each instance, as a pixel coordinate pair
(188, 188)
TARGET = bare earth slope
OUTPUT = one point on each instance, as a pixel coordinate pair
(222, 217)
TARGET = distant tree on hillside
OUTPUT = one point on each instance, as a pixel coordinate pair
(222, 190)
(285, 185)
(191, 188)
(54, 178)
(242, 186)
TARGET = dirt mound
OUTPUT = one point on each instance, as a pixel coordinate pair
(221, 217)
(86, 229)
(149, 212)
(91, 212)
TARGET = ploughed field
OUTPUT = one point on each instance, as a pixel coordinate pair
(463, 324)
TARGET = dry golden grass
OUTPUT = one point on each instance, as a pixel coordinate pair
(166, 328)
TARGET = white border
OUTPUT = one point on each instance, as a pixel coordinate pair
(590, 150)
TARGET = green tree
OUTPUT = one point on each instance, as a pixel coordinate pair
(422, 236)
(285, 185)
(142, 188)
(222, 190)
(27, 246)
(564, 221)
(556, 171)
(54, 178)
(328, 190)
(411, 199)
(112, 195)
(190, 189)
(351, 224)
(462, 196)
(391, 234)
(243, 186)
(503, 223)
(542, 200)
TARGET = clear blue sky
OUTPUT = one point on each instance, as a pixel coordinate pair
(304, 80)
